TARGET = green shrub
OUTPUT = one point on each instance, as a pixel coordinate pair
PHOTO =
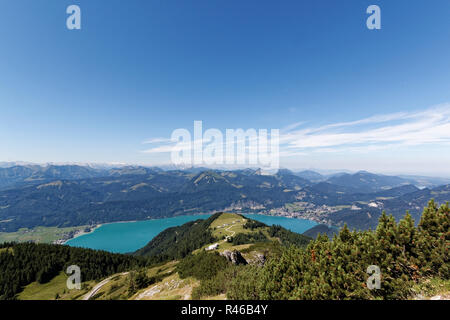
(234, 277)
(244, 238)
(202, 266)
(244, 284)
(253, 224)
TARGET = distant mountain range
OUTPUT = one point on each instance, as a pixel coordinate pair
(71, 195)
(17, 176)
(311, 176)
(367, 182)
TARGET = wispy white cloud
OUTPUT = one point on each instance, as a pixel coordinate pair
(371, 134)
(156, 140)
(374, 133)
(292, 126)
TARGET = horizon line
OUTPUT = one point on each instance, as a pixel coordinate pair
(170, 167)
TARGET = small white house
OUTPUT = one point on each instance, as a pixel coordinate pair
(212, 247)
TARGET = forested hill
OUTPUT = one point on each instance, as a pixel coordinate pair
(178, 242)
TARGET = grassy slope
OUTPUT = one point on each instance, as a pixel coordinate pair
(233, 221)
(432, 287)
(48, 291)
(6, 249)
(229, 224)
(115, 289)
(170, 288)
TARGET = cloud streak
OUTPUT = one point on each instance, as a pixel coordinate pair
(374, 133)
(371, 134)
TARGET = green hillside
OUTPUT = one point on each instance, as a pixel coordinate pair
(24, 263)
(226, 229)
(246, 259)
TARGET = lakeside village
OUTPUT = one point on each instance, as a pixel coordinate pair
(300, 210)
(75, 233)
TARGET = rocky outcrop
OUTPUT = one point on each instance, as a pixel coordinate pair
(234, 256)
(260, 259)
(257, 259)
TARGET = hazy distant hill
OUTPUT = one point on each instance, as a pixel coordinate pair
(311, 175)
(292, 180)
(17, 176)
(368, 182)
(397, 191)
(428, 182)
(321, 229)
(415, 201)
(365, 216)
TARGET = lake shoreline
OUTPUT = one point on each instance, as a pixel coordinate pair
(83, 233)
(129, 236)
(78, 234)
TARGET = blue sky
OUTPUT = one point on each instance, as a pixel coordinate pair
(376, 100)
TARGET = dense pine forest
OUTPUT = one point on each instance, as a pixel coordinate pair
(23, 263)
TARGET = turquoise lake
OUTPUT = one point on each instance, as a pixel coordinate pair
(293, 224)
(122, 237)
